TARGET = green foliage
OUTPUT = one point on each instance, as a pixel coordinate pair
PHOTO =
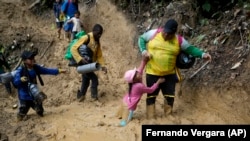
(206, 6)
(204, 22)
(200, 38)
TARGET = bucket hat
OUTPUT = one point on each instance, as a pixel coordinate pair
(129, 75)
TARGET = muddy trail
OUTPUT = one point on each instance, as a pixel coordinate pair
(217, 94)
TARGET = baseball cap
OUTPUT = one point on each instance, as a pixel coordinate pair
(27, 55)
(170, 26)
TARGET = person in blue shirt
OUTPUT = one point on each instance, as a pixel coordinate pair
(69, 8)
(60, 18)
(25, 75)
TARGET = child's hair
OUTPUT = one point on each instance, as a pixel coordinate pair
(78, 12)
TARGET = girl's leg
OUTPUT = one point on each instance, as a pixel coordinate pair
(125, 115)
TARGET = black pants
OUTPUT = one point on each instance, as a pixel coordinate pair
(25, 105)
(8, 87)
(86, 77)
(167, 88)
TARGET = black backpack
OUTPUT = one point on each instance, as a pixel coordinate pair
(84, 52)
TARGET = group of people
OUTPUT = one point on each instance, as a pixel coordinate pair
(29, 71)
(67, 16)
(159, 51)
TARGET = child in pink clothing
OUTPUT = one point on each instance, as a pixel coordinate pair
(136, 90)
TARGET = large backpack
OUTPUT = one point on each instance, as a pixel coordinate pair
(68, 54)
(83, 50)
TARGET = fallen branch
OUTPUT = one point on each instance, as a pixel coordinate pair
(18, 64)
(199, 70)
(34, 4)
(50, 44)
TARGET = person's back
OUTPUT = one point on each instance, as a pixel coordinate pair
(69, 7)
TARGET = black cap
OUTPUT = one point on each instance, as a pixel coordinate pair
(170, 26)
(27, 55)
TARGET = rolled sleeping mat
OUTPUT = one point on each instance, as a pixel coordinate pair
(36, 93)
(7, 77)
(88, 68)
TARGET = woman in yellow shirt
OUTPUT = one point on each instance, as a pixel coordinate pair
(163, 47)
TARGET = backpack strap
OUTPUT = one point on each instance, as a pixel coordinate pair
(157, 31)
(179, 39)
(25, 72)
(87, 42)
(38, 75)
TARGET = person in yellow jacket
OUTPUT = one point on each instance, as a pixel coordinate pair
(163, 47)
(92, 40)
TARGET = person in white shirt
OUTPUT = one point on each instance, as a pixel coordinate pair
(78, 25)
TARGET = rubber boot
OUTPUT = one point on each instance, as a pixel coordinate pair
(125, 115)
(94, 93)
(150, 111)
(80, 97)
(167, 108)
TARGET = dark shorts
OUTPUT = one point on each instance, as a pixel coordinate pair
(59, 24)
(67, 27)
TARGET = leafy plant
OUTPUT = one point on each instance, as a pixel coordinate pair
(206, 6)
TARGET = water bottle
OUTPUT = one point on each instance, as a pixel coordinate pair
(7, 77)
